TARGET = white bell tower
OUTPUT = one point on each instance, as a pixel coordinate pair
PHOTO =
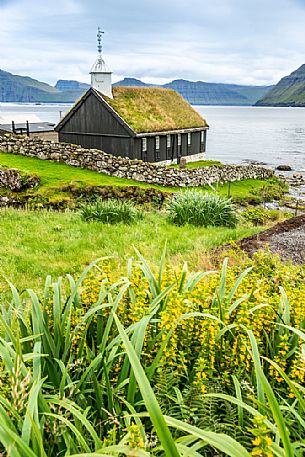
(100, 73)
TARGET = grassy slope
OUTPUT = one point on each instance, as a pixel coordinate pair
(34, 244)
(24, 89)
(290, 91)
(54, 175)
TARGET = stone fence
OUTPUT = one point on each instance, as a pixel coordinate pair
(15, 181)
(121, 167)
(11, 179)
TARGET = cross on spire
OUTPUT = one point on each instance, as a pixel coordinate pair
(99, 40)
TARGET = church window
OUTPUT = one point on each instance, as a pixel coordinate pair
(168, 140)
(144, 144)
(157, 143)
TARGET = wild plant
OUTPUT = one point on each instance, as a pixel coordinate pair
(202, 209)
(111, 212)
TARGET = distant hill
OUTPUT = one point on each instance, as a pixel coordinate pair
(132, 82)
(70, 84)
(202, 93)
(15, 88)
(290, 91)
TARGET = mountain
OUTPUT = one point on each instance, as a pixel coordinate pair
(70, 84)
(132, 82)
(15, 88)
(290, 91)
(202, 93)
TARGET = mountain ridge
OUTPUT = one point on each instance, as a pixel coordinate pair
(203, 93)
(289, 91)
(16, 88)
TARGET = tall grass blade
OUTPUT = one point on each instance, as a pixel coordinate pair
(149, 397)
(219, 441)
(274, 406)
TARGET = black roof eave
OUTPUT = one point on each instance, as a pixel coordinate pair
(173, 132)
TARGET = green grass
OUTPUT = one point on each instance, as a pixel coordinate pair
(200, 164)
(36, 243)
(55, 175)
(111, 212)
(202, 210)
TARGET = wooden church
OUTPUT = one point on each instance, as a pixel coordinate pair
(151, 124)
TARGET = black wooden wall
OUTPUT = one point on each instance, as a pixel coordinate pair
(174, 151)
(92, 125)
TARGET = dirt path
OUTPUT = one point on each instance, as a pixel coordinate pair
(286, 238)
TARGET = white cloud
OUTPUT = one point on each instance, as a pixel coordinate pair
(246, 42)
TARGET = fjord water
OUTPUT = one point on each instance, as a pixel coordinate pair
(47, 112)
(269, 136)
(238, 134)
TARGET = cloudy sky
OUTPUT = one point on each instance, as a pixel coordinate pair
(236, 41)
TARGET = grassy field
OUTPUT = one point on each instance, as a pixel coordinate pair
(34, 244)
(37, 243)
(56, 175)
(53, 176)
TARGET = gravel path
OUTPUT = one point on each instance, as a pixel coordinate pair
(286, 238)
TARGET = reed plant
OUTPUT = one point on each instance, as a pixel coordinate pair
(111, 212)
(202, 209)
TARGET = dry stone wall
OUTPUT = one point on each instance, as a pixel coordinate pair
(123, 167)
(11, 179)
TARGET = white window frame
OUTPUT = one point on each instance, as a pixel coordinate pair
(157, 143)
(179, 139)
(144, 144)
(168, 141)
(202, 136)
(189, 139)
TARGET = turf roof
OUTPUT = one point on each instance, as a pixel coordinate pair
(151, 109)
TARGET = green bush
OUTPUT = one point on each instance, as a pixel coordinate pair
(273, 190)
(202, 209)
(261, 216)
(111, 212)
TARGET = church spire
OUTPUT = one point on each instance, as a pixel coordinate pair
(100, 73)
(99, 41)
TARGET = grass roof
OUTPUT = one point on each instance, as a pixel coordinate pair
(151, 109)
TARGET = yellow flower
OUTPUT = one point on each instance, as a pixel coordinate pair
(268, 441)
(257, 441)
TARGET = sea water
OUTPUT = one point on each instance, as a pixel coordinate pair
(270, 136)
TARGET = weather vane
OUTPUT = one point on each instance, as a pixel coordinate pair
(99, 40)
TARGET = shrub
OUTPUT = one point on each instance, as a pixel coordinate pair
(111, 212)
(260, 216)
(273, 190)
(202, 209)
